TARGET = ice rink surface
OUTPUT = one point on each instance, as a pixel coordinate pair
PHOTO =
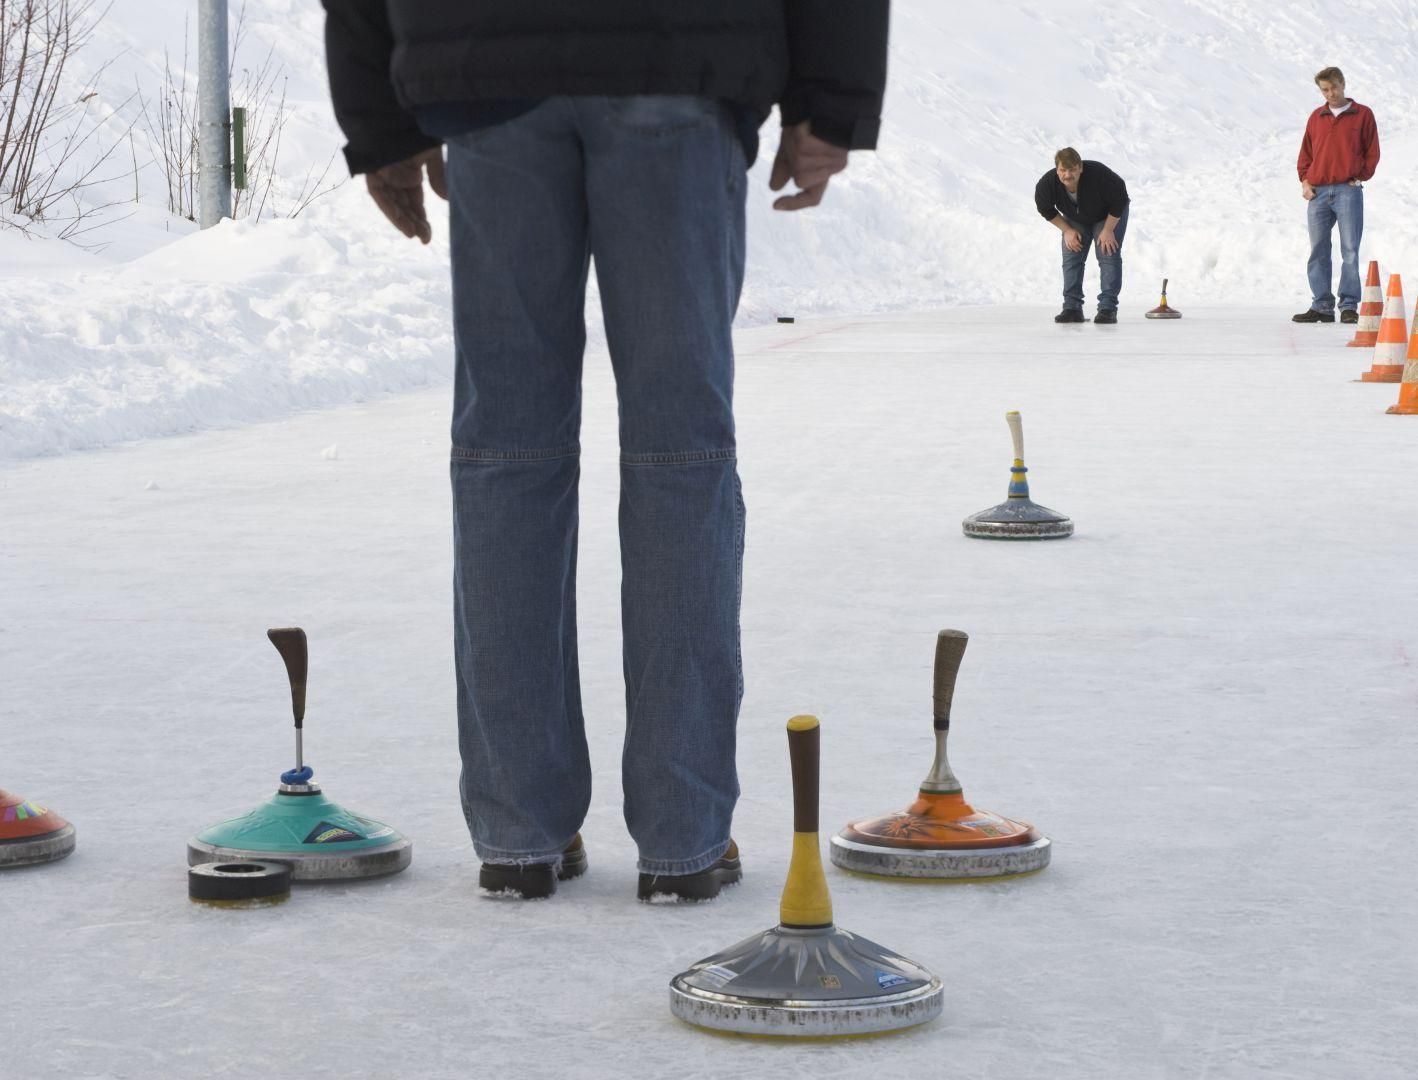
(1207, 698)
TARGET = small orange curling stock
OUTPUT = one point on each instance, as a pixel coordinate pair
(940, 835)
(1164, 310)
(31, 833)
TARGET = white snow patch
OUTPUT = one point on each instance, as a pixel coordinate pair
(1200, 106)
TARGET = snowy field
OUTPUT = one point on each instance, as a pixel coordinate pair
(1207, 698)
(1199, 105)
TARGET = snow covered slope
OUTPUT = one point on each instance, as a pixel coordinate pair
(1198, 104)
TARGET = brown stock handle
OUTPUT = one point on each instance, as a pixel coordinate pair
(290, 643)
(949, 651)
(804, 746)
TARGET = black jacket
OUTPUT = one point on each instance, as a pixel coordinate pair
(1100, 192)
(819, 60)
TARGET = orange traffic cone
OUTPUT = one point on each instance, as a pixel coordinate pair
(1408, 392)
(1371, 310)
(1392, 345)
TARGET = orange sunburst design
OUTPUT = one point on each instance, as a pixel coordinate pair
(941, 821)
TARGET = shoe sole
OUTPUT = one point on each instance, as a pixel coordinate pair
(704, 885)
(532, 882)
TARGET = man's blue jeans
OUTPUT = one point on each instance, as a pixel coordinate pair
(1342, 203)
(653, 189)
(1110, 267)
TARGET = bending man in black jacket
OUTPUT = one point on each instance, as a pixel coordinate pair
(1088, 203)
(619, 130)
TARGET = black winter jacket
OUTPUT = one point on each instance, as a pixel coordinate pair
(1100, 192)
(819, 60)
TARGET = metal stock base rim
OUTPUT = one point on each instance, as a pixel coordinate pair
(50, 847)
(803, 1018)
(316, 866)
(1017, 530)
(941, 864)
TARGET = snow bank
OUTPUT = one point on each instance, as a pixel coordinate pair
(1199, 105)
(235, 324)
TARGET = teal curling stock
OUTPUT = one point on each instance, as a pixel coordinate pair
(299, 825)
(317, 837)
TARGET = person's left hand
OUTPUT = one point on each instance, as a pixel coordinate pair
(1107, 242)
(398, 191)
(808, 162)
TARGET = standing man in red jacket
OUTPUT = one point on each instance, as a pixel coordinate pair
(1339, 152)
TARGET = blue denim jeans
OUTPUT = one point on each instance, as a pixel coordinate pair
(1110, 267)
(653, 189)
(1342, 203)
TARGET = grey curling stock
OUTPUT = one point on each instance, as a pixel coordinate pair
(949, 651)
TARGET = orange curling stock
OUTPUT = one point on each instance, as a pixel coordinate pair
(938, 822)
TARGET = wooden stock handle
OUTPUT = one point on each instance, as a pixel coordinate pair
(949, 651)
(1016, 432)
(290, 643)
(804, 747)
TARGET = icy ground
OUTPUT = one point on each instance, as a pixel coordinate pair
(1207, 698)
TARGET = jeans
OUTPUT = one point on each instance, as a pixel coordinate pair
(1110, 267)
(653, 189)
(1342, 203)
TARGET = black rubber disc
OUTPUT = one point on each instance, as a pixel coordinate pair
(785, 318)
(238, 879)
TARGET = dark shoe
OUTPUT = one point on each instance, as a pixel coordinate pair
(1106, 317)
(1313, 316)
(1348, 316)
(1069, 314)
(535, 881)
(704, 885)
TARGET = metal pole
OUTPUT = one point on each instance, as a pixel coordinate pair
(213, 113)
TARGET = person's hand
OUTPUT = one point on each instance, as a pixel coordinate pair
(1107, 242)
(398, 191)
(1307, 191)
(807, 161)
(1073, 240)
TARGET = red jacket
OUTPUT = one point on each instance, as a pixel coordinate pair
(1337, 149)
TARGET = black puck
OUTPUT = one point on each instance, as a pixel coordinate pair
(785, 318)
(238, 879)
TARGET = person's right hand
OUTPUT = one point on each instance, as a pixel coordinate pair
(398, 191)
(1073, 240)
(807, 161)
(1307, 192)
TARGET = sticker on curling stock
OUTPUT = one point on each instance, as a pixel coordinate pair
(326, 833)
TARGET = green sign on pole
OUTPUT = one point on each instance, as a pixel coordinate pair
(238, 140)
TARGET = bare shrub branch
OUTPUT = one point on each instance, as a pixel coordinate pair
(43, 140)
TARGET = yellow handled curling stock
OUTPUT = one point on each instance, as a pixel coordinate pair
(806, 977)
